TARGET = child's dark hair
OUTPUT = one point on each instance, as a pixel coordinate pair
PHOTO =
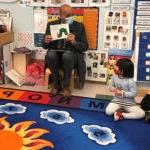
(126, 66)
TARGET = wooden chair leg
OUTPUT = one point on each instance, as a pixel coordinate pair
(47, 75)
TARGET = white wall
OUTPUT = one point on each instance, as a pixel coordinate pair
(22, 16)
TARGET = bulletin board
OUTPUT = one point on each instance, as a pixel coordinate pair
(88, 16)
(142, 36)
(96, 66)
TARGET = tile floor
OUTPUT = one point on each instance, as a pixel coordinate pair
(90, 89)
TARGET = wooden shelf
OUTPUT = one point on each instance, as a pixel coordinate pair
(6, 38)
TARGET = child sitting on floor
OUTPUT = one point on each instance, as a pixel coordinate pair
(123, 86)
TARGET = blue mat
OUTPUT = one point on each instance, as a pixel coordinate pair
(129, 134)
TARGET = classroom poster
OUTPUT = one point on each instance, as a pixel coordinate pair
(96, 63)
(143, 73)
(40, 24)
(91, 23)
(40, 20)
(143, 16)
(113, 56)
(117, 30)
(142, 35)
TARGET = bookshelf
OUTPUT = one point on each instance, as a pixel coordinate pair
(6, 38)
(5, 57)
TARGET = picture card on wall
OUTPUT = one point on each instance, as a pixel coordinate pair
(117, 27)
(99, 3)
(25, 3)
(96, 63)
(57, 3)
(79, 3)
(39, 3)
(60, 31)
(38, 39)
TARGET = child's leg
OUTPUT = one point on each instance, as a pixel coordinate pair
(112, 108)
(133, 112)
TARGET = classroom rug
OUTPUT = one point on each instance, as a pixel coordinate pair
(33, 121)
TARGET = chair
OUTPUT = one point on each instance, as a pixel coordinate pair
(75, 81)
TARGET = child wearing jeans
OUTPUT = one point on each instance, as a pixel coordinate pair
(123, 86)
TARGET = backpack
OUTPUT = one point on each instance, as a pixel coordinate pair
(145, 104)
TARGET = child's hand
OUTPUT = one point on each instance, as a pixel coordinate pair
(118, 93)
(113, 89)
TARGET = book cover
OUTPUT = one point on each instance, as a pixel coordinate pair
(59, 31)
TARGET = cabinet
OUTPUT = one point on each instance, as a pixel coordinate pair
(5, 38)
(5, 56)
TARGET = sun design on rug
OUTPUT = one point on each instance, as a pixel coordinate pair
(20, 137)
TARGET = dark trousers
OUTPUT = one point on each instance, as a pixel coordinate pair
(61, 60)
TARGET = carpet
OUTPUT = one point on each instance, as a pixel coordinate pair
(33, 121)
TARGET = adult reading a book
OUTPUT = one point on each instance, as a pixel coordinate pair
(65, 53)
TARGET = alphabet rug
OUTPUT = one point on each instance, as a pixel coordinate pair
(34, 121)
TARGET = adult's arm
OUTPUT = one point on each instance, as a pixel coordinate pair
(81, 43)
(52, 44)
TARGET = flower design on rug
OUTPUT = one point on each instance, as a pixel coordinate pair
(102, 135)
(58, 117)
(20, 137)
(11, 108)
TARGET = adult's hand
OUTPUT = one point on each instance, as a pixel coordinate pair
(48, 39)
(71, 38)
